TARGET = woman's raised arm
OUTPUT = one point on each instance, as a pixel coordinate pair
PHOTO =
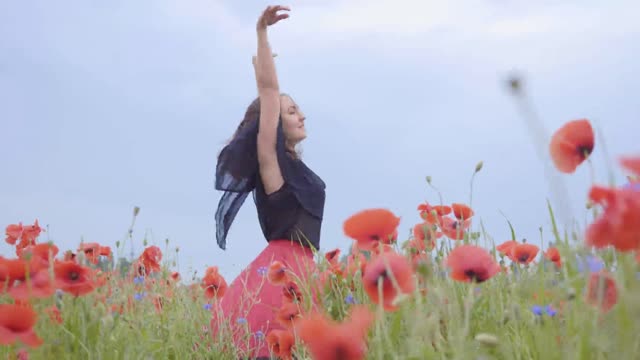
(269, 93)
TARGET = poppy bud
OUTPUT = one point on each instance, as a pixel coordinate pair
(136, 211)
(479, 166)
(487, 339)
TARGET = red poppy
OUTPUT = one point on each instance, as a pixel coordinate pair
(333, 256)
(213, 283)
(16, 324)
(277, 273)
(12, 270)
(424, 237)
(39, 285)
(13, 233)
(454, 229)
(431, 213)
(571, 145)
(381, 269)
(73, 278)
(288, 314)
(471, 263)
(328, 340)
(91, 251)
(372, 226)
(553, 254)
(632, 164)
(618, 225)
(291, 293)
(602, 291)
(30, 233)
(505, 247)
(281, 343)
(38, 255)
(523, 253)
(462, 211)
(149, 260)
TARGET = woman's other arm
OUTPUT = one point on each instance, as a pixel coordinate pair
(269, 93)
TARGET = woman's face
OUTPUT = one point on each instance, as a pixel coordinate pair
(292, 120)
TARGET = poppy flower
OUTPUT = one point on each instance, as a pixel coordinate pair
(462, 211)
(601, 291)
(431, 214)
(505, 247)
(454, 229)
(280, 343)
(277, 273)
(420, 261)
(328, 340)
(572, 144)
(291, 292)
(213, 283)
(380, 269)
(39, 285)
(523, 253)
(54, 314)
(424, 237)
(38, 255)
(13, 233)
(149, 260)
(553, 255)
(91, 251)
(618, 225)
(632, 164)
(31, 232)
(370, 227)
(471, 263)
(16, 324)
(73, 278)
(333, 256)
(288, 314)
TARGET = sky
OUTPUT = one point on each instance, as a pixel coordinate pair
(107, 106)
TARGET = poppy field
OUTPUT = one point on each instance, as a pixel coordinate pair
(447, 291)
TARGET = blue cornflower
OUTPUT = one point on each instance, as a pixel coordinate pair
(349, 299)
(259, 334)
(139, 296)
(207, 306)
(550, 310)
(592, 263)
(262, 270)
(241, 320)
(537, 310)
(138, 280)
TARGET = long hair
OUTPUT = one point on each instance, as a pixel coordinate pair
(253, 114)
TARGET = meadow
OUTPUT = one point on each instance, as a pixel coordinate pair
(448, 290)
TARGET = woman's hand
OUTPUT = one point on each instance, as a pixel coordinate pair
(270, 16)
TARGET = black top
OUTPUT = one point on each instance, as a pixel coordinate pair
(282, 216)
(293, 212)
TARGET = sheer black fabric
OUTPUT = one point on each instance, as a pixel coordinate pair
(293, 212)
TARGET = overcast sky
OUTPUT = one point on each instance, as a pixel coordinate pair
(119, 104)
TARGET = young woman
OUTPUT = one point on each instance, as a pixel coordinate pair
(262, 158)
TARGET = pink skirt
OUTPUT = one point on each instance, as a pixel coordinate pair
(250, 303)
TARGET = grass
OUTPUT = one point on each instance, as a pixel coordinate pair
(453, 320)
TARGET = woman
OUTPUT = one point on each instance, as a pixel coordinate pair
(289, 197)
